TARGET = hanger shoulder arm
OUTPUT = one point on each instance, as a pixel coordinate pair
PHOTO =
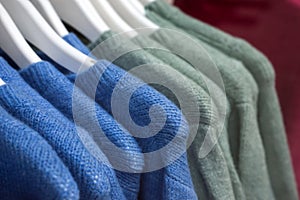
(13, 43)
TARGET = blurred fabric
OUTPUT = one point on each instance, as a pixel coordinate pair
(272, 26)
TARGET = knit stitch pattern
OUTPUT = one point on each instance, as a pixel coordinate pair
(51, 84)
(29, 167)
(174, 180)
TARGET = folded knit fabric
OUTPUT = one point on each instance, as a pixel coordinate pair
(61, 93)
(269, 113)
(241, 89)
(95, 179)
(29, 167)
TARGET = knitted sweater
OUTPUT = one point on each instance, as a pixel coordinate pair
(246, 143)
(218, 96)
(124, 153)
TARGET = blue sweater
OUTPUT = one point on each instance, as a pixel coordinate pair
(95, 180)
(124, 154)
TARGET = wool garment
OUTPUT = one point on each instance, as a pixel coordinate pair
(241, 89)
(164, 186)
(50, 84)
(95, 180)
(269, 114)
(131, 162)
(212, 169)
(184, 67)
(29, 167)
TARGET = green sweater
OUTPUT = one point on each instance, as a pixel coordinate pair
(170, 58)
(241, 89)
(269, 114)
(212, 170)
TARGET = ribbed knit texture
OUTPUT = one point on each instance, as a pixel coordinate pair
(29, 167)
(95, 180)
(211, 169)
(269, 113)
(61, 93)
(198, 77)
(246, 143)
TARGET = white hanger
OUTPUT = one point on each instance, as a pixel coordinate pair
(82, 16)
(129, 13)
(138, 6)
(36, 30)
(13, 43)
(112, 18)
(48, 12)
